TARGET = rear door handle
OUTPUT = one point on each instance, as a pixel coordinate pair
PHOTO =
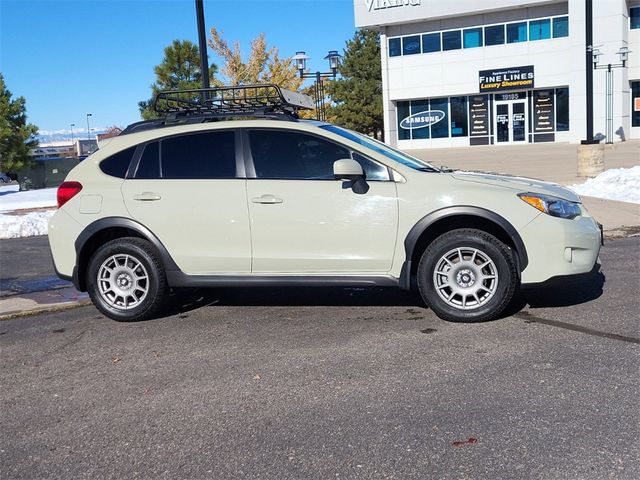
(147, 197)
(267, 198)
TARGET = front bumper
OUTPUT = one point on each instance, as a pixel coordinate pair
(558, 247)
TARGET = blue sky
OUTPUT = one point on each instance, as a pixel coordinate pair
(68, 58)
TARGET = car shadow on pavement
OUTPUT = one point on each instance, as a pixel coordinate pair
(185, 300)
(560, 292)
(557, 292)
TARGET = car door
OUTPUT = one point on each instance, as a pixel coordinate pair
(305, 221)
(189, 191)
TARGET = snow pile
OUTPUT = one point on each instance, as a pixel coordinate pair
(12, 199)
(622, 184)
(15, 223)
(24, 225)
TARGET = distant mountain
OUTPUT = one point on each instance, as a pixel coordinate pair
(46, 136)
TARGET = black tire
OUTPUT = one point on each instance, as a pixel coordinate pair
(498, 297)
(143, 252)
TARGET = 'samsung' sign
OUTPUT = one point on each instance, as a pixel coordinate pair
(421, 119)
(382, 4)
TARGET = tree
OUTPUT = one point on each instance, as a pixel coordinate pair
(263, 65)
(179, 70)
(357, 96)
(17, 137)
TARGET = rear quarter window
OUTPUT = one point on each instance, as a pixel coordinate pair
(117, 164)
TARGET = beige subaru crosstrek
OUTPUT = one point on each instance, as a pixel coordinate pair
(203, 199)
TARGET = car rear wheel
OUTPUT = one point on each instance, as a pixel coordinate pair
(467, 275)
(126, 280)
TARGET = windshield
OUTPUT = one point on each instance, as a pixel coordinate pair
(382, 148)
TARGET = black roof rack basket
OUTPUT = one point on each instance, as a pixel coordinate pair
(249, 100)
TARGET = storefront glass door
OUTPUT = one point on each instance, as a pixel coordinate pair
(511, 121)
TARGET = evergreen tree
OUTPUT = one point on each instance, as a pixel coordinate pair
(180, 69)
(17, 137)
(357, 95)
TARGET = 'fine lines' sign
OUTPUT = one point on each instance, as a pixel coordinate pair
(512, 78)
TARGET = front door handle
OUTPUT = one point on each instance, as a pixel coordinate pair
(267, 198)
(147, 197)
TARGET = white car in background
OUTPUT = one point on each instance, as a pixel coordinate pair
(201, 198)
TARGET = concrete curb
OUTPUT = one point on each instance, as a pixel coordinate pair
(43, 301)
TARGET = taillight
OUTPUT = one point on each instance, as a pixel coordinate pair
(67, 191)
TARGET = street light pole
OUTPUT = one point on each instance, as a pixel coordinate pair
(589, 73)
(88, 130)
(202, 42)
(623, 53)
(300, 59)
(72, 140)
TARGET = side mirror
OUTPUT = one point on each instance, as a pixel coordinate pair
(347, 169)
(351, 171)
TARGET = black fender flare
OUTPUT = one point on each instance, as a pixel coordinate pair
(425, 222)
(118, 222)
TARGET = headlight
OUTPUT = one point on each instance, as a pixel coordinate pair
(554, 206)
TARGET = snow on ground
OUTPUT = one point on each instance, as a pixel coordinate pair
(12, 199)
(622, 184)
(25, 224)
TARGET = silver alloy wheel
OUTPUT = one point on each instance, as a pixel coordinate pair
(465, 278)
(123, 281)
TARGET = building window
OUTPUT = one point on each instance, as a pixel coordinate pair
(403, 112)
(494, 35)
(439, 109)
(540, 29)
(451, 40)
(431, 42)
(562, 109)
(394, 47)
(516, 32)
(411, 45)
(459, 126)
(543, 111)
(441, 128)
(635, 104)
(634, 18)
(472, 37)
(419, 106)
(560, 27)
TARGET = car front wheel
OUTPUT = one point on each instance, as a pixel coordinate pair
(126, 280)
(467, 275)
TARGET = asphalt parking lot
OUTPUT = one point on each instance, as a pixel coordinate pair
(331, 383)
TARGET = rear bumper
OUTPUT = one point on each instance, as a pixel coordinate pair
(63, 230)
(559, 247)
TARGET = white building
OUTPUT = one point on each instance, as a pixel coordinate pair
(479, 72)
(65, 148)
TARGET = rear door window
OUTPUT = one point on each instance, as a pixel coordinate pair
(206, 155)
(149, 164)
